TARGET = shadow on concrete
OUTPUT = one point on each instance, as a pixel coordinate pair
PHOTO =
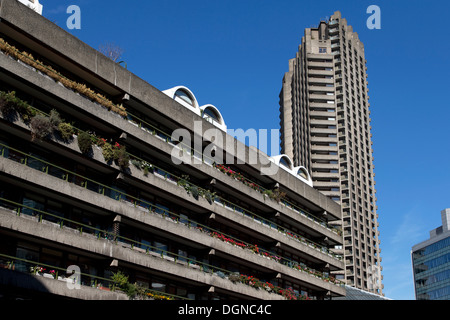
(16, 285)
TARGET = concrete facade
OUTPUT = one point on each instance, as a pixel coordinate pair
(60, 206)
(325, 126)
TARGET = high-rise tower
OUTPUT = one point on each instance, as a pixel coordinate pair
(325, 126)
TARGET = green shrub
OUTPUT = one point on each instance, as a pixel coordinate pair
(107, 151)
(275, 194)
(136, 163)
(41, 127)
(84, 142)
(122, 157)
(7, 102)
(26, 112)
(210, 196)
(66, 130)
(55, 118)
(194, 191)
(120, 279)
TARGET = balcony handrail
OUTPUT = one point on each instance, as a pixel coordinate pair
(259, 188)
(27, 57)
(168, 139)
(205, 267)
(111, 281)
(205, 229)
(136, 200)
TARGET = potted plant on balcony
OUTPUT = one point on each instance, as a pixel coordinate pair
(41, 127)
(84, 142)
(36, 270)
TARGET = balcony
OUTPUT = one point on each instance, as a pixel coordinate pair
(312, 81)
(316, 122)
(334, 38)
(326, 175)
(321, 89)
(313, 72)
(334, 30)
(325, 184)
(317, 113)
(320, 64)
(101, 190)
(154, 132)
(322, 98)
(84, 236)
(333, 22)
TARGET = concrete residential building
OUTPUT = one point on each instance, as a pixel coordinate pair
(89, 187)
(325, 127)
(431, 263)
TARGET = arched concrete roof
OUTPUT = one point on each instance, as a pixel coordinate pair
(283, 159)
(220, 123)
(174, 93)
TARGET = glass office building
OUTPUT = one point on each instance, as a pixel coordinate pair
(431, 263)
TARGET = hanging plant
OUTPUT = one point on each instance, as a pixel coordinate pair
(84, 142)
(194, 191)
(121, 156)
(52, 73)
(55, 118)
(107, 151)
(9, 104)
(66, 130)
(41, 127)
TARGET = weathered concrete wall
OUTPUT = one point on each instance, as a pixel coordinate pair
(21, 172)
(121, 252)
(40, 285)
(153, 142)
(91, 61)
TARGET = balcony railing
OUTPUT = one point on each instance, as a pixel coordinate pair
(164, 136)
(68, 176)
(90, 94)
(88, 280)
(145, 249)
(61, 222)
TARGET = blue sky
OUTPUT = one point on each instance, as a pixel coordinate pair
(234, 53)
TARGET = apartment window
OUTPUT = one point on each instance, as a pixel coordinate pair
(322, 50)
